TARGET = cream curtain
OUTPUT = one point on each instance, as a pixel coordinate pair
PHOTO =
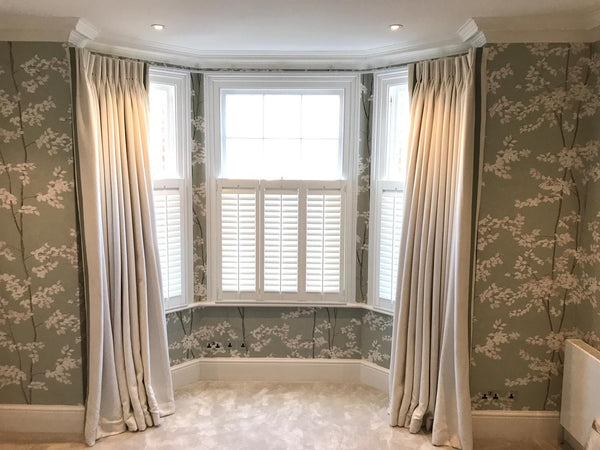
(429, 375)
(129, 382)
(593, 442)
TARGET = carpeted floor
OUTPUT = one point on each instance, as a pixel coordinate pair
(261, 416)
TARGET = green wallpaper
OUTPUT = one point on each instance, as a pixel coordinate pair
(40, 339)
(205, 332)
(199, 187)
(538, 250)
(364, 186)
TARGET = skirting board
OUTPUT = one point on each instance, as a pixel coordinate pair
(41, 419)
(281, 370)
(517, 425)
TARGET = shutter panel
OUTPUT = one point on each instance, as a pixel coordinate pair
(323, 241)
(238, 240)
(392, 214)
(280, 224)
(167, 210)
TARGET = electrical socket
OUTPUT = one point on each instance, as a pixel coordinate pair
(497, 395)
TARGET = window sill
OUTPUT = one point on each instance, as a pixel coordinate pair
(272, 304)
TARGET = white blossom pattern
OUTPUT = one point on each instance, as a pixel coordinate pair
(198, 187)
(279, 332)
(538, 245)
(40, 339)
(364, 186)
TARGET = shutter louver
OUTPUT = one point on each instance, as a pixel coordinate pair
(280, 242)
(392, 214)
(323, 241)
(238, 240)
(167, 210)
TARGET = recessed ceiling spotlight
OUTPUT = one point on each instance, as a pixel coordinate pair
(395, 26)
(158, 26)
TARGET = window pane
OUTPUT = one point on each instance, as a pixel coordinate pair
(321, 116)
(398, 126)
(243, 116)
(243, 158)
(282, 116)
(282, 159)
(299, 137)
(163, 134)
(320, 159)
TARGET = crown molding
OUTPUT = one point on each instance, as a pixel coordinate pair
(580, 27)
(74, 30)
(470, 32)
(20, 27)
(315, 60)
(83, 33)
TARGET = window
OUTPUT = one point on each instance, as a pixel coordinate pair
(279, 163)
(170, 167)
(388, 167)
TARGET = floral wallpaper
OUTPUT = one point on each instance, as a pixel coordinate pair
(198, 187)
(538, 245)
(364, 186)
(351, 333)
(376, 339)
(40, 338)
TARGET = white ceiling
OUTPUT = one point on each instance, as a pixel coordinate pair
(352, 27)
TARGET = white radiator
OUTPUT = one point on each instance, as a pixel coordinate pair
(581, 391)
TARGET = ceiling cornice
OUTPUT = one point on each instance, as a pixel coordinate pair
(20, 27)
(35, 28)
(355, 60)
(470, 32)
(581, 27)
(83, 33)
(475, 32)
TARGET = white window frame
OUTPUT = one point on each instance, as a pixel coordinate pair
(180, 80)
(382, 85)
(349, 86)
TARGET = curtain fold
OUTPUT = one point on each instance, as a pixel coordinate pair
(429, 374)
(129, 381)
(594, 439)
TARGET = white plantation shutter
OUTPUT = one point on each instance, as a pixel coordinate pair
(280, 240)
(392, 214)
(238, 240)
(168, 217)
(170, 169)
(323, 241)
(280, 225)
